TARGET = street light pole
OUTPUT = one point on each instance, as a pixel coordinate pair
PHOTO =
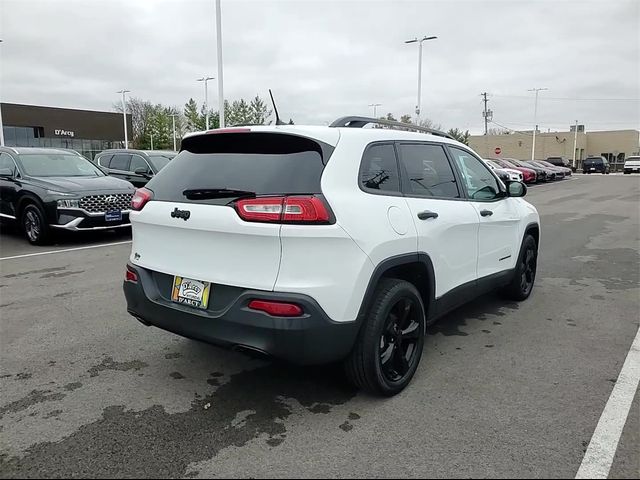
(206, 99)
(173, 119)
(219, 44)
(535, 121)
(415, 40)
(124, 116)
(375, 106)
(151, 135)
(575, 145)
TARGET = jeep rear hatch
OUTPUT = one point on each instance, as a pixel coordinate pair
(216, 210)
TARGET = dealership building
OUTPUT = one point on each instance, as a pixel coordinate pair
(86, 131)
(615, 145)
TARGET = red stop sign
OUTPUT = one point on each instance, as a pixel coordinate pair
(498, 150)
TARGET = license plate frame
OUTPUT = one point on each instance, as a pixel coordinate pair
(113, 216)
(190, 292)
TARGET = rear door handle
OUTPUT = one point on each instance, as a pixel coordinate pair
(427, 214)
(486, 213)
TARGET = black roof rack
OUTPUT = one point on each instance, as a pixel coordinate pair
(359, 122)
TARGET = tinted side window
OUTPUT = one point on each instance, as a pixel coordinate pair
(7, 162)
(138, 162)
(379, 169)
(480, 183)
(120, 161)
(428, 171)
(103, 160)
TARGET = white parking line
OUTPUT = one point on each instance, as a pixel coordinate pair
(50, 252)
(604, 442)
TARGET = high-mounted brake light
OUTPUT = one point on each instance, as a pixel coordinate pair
(140, 198)
(228, 130)
(307, 209)
(276, 309)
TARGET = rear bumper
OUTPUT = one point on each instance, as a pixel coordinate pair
(307, 340)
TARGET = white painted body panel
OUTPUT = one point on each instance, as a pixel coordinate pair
(333, 264)
(214, 245)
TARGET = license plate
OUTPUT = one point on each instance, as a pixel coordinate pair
(190, 292)
(113, 216)
(593, 169)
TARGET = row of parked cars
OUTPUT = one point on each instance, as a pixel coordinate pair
(45, 190)
(539, 171)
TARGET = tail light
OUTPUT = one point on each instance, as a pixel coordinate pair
(276, 309)
(140, 198)
(130, 275)
(306, 209)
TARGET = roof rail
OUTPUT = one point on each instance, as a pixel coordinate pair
(359, 122)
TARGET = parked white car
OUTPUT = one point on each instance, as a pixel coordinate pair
(632, 165)
(324, 244)
(513, 175)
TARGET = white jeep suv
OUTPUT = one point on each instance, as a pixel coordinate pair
(324, 244)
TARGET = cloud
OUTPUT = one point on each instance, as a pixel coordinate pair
(325, 59)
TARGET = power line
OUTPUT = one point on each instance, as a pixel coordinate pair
(511, 129)
(572, 98)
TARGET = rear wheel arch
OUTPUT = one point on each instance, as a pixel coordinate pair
(415, 268)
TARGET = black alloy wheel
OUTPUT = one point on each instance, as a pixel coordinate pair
(389, 346)
(399, 339)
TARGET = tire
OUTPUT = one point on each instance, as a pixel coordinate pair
(383, 360)
(524, 278)
(34, 225)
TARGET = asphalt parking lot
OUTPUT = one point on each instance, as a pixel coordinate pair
(503, 390)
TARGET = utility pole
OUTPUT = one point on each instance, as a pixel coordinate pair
(535, 121)
(151, 135)
(375, 106)
(487, 114)
(575, 145)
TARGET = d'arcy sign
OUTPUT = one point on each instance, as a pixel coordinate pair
(64, 133)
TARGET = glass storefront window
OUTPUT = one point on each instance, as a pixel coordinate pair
(22, 137)
(9, 136)
(33, 137)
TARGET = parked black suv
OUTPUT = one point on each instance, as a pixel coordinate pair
(596, 165)
(45, 189)
(559, 162)
(135, 166)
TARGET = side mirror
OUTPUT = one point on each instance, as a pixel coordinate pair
(6, 172)
(516, 189)
(142, 171)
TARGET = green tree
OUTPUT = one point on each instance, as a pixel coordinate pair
(459, 135)
(161, 127)
(259, 111)
(405, 119)
(194, 120)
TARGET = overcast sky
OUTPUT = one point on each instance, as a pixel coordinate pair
(324, 59)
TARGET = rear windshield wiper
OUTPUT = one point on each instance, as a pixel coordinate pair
(210, 193)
